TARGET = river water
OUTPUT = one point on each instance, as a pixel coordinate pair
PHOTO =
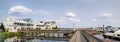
(22, 40)
(32, 40)
(99, 36)
(15, 39)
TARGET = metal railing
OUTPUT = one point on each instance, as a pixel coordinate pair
(90, 38)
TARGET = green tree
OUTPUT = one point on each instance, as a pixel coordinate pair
(55, 28)
(2, 27)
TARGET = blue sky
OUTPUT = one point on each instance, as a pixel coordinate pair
(83, 13)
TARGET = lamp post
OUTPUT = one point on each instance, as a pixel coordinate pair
(74, 26)
(103, 28)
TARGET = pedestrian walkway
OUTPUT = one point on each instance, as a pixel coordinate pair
(82, 36)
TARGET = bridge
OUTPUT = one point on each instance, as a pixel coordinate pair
(62, 35)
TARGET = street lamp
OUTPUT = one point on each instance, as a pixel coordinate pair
(74, 26)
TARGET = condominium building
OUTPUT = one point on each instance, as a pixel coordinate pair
(13, 24)
(45, 25)
(100, 29)
(107, 29)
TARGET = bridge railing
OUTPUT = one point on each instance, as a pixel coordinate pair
(90, 38)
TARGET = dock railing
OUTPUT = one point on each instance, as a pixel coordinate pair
(90, 38)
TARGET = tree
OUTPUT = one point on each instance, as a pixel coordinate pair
(55, 27)
(2, 27)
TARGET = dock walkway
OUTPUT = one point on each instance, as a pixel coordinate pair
(82, 36)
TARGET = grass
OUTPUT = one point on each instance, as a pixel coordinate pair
(6, 35)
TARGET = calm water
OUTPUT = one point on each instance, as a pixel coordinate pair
(32, 40)
(99, 36)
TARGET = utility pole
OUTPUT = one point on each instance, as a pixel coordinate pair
(103, 28)
(74, 26)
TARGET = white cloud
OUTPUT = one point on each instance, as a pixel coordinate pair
(62, 20)
(74, 20)
(71, 19)
(106, 15)
(94, 20)
(65, 20)
(71, 14)
(19, 9)
(43, 12)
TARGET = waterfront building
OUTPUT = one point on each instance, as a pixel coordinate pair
(45, 25)
(113, 29)
(13, 24)
(99, 29)
(107, 29)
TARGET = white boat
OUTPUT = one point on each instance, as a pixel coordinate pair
(113, 35)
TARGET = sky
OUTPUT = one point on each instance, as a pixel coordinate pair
(67, 13)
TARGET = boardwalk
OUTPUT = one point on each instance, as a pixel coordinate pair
(76, 37)
(82, 36)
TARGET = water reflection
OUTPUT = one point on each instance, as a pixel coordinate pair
(15, 39)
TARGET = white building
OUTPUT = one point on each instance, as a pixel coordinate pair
(45, 25)
(101, 29)
(12, 24)
(113, 29)
(107, 29)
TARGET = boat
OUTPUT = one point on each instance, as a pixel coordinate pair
(115, 35)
